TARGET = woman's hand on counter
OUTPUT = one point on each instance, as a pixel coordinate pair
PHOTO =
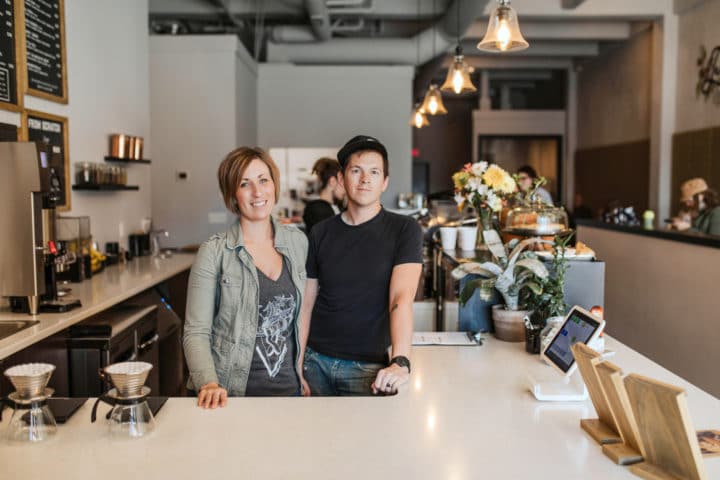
(389, 379)
(304, 387)
(212, 395)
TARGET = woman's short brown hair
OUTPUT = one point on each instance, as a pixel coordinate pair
(233, 167)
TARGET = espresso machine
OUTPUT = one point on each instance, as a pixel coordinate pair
(31, 185)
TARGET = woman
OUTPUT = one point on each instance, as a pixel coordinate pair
(526, 177)
(703, 204)
(245, 292)
(331, 192)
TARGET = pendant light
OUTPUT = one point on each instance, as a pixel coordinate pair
(458, 76)
(503, 31)
(433, 104)
(418, 118)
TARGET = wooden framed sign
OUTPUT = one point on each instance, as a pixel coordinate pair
(45, 57)
(11, 65)
(50, 130)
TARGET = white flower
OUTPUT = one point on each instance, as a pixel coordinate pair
(478, 168)
(459, 198)
(475, 184)
(494, 202)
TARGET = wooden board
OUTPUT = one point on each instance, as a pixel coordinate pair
(44, 52)
(604, 430)
(11, 55)
(667, 438)
(629, 451)
(52, 130)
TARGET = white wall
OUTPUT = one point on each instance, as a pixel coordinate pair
(697, 26)
(203, 105)
(107, 63)
(325, 106)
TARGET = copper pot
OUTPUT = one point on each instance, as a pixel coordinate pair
(137, 150)
(120, 145)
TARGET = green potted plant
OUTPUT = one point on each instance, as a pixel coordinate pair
(549, 302)
(517, 276)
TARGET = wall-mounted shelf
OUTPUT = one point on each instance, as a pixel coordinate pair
(105, 187)
(126, 160)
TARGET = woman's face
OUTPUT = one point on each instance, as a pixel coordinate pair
(524, 182)
(256, 193)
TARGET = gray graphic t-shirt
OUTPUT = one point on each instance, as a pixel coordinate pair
(273, 365)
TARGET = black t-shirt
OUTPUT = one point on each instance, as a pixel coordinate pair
(353, 265)
(316, 211)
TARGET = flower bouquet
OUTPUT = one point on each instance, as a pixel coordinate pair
(483, 186)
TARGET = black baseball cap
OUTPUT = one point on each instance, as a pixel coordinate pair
(358, 143)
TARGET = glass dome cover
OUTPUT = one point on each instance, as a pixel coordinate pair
(536, 219)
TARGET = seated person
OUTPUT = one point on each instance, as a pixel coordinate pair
(332, 192)
(703, 208)
(526, 177)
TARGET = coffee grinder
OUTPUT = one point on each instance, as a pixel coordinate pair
(32, 420)
(31, 185)
(130, 416)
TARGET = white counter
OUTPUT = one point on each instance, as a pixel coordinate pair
(465, 415)
(110, 287)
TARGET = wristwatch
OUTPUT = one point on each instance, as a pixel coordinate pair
(401, 361)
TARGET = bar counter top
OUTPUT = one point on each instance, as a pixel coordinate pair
(113, 285)
(694, 238)
(465, 414)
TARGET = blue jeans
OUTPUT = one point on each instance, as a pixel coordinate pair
(328, 376)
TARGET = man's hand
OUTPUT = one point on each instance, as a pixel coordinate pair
(389, 379)
(212, 395)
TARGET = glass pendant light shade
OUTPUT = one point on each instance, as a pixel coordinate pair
(418, 118)
(433, 104)
(458, 76)
(503, 32)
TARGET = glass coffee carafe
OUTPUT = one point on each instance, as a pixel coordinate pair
(32, 420)
(130, 416)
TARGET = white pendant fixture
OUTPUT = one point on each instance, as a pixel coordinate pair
(503, 31)
(458, 76)
(418, 118)
(433, 104)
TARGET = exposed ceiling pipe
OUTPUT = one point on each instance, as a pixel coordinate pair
(416, 50)
(319, 31)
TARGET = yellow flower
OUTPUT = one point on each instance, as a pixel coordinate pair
(495, 177)
(460, 179)
(508, 186)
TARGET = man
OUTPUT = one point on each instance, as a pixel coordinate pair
(526, 177)
(362, 272)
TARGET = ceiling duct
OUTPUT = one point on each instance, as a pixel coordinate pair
(424, 46)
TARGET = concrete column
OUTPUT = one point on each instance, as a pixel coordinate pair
(484, 98)
(662, 111)
(568, 163)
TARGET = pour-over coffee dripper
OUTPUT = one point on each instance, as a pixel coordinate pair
(32, 420)
(131, 415)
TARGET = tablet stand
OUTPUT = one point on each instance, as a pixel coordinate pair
(627, 452)
(667, 438)
(601, 429)
(569, 388)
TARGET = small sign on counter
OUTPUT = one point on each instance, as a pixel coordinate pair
(446, 338)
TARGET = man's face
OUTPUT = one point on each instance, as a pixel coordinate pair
(364, 178)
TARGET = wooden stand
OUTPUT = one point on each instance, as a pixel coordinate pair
(665, 433)
(602, 429)
(628, 452)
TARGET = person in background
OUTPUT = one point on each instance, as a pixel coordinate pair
(245, 292)
(703, 206)
(526, 177)
(363, 268)
(332, 192)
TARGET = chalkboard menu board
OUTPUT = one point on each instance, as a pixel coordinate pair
(10, 96)
(45, 49)
(50, 130)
